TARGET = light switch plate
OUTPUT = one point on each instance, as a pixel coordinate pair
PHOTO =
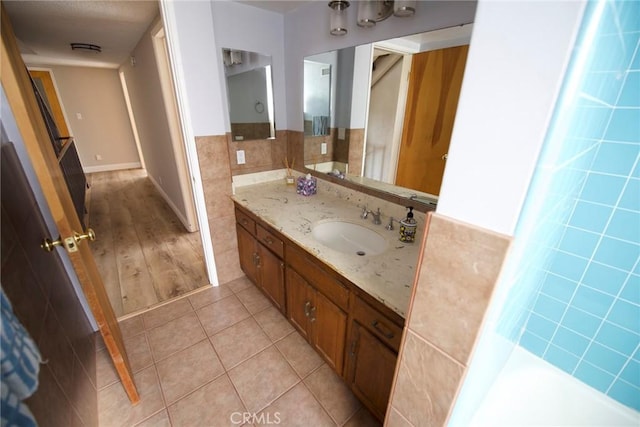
(240, 157)
(323, 148)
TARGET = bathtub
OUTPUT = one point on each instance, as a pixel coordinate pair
(531, 392)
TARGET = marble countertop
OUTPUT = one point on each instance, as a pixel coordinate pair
(388, 277)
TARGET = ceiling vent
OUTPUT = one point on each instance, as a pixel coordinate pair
(86, 47)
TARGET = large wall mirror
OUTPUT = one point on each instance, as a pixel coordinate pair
(250, 94)
(392, 114)
(327, 95)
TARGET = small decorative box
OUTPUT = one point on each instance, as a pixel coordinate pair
(307, 185)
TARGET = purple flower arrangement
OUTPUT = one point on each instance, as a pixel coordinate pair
(307, 185)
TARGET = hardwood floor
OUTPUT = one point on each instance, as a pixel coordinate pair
(143, 252)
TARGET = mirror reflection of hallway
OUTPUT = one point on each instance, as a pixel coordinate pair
(144, 253)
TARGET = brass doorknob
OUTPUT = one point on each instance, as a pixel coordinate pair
(70, 243)
(48, 244)
(90, 234)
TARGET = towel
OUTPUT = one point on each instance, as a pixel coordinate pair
(20, 363)
(320, 125)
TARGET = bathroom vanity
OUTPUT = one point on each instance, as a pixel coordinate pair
(350, 308)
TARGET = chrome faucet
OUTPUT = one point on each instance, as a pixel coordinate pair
(376, 217)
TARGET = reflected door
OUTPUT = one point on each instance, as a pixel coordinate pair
(432, 101)
(44, 83)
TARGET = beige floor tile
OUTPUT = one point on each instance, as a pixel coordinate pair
(114, 408)
(253, 299)
(209, 295)
(239, 285)
(212, 405)
(363, 418)
(105, 372)
(296, 408)
(174, 336)
(99, 342)
(187, 370)
(161, 419)
(333, 394)
(166, 313)
(239, 342)
(299, 354)
(222, 314)
(131, 326)
(262, 379)
(139, 352)
(274, 324)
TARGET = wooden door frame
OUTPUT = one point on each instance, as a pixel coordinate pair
(19, 92)
(62, 113)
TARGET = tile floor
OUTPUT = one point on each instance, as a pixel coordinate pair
(223, 357)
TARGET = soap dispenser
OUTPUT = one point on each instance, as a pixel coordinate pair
(408, 227)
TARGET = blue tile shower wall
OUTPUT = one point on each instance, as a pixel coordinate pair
(580, 284)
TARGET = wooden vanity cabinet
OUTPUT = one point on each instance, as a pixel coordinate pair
(261, 254)
(318, 317)
(355, 334)
(372, 353)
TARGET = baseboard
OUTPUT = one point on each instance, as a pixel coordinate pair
(173, 207)
(111, 167)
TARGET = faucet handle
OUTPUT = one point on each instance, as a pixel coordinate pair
(365, 212)
(390, 225)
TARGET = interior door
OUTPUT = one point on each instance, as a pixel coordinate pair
(44, 82)
(18, 88)
(432, 101)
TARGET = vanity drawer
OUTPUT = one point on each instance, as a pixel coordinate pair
(270, 241)
(318, 277)
(246, 221)
(377, 324)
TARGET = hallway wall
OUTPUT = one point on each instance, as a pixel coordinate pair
(104, 129)
(147, 103)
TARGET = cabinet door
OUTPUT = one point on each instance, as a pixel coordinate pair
(299, 302)
(329, 325)
(271, 275)
(248, 250)
(371, 369)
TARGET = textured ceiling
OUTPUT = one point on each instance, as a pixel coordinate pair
(45, 29)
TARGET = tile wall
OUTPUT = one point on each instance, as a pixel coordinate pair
(577, 288)
(456, 276)
(213, 157)
(260, 155)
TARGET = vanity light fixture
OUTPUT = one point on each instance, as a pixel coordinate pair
(236, 57)
(338, 19)
(369, 13)
(86, 47)
(231, 57)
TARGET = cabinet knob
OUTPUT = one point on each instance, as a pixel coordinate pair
(381, 328)
(307, 308)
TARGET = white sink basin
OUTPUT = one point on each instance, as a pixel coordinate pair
(349, 238)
